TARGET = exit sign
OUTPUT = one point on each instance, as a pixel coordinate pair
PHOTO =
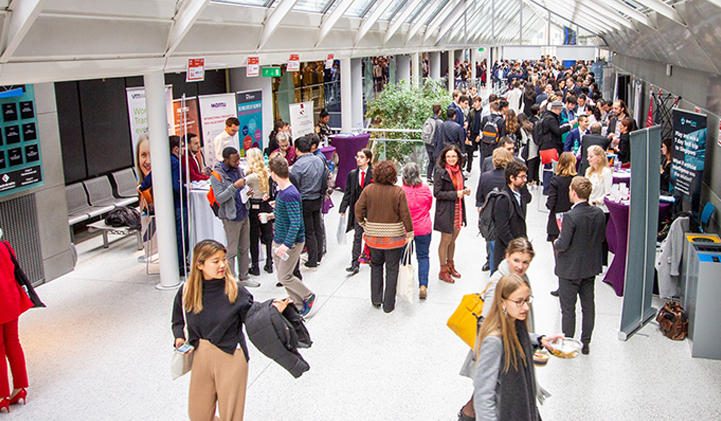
(481, 49)
(271, 71)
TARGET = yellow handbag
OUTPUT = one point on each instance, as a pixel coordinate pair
(464, 321)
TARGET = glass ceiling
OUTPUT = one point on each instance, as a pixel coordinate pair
(477, 15)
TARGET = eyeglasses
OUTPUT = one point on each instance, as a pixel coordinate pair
(520, 303)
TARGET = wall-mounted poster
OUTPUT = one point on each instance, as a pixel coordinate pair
(20, 163)
(689, 153)
(250, 114)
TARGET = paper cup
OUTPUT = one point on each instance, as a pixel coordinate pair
(263, 218)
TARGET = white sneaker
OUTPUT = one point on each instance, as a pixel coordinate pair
(249, 283)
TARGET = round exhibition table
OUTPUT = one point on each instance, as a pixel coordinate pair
(622, 177)
(347, 146)
(618, 235)
(328, 152)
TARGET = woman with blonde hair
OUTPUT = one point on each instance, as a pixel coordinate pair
(601, 178)
(504, 382)
(258, 180)
(213, 306)
(558, 200)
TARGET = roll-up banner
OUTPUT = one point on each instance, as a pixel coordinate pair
(190, 113)
(689, 154)
(301, 118)
(214, 110)
(250, 115)
(138, 116)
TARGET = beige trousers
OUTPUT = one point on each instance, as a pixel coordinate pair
(217, 378)
(297, 290)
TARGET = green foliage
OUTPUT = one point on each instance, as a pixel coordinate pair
(399, 106)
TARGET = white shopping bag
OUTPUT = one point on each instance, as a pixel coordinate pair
(406, 277)
(340, 234)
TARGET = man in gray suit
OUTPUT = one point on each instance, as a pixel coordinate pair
(579, 259)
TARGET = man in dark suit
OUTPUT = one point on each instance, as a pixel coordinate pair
(452, 132)
(510, 210)
(593, 138)
(489, 180)
(579, 259)
(357, 180)
(506, 143)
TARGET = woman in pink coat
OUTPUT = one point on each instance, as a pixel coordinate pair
(14, 303)
(420, 200)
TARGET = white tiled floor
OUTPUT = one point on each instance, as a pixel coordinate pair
(101, 349)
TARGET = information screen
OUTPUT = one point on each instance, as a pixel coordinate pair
(20, 163)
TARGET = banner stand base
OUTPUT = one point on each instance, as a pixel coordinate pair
(630, 331)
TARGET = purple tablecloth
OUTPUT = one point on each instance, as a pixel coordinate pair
(622, 177)
(619, 212)
(328, 152)
(347, 146)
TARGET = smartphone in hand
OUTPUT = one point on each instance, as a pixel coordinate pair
(184, 349)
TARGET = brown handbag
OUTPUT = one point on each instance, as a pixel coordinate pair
(673, 321)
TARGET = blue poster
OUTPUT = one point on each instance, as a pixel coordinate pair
(689, 152)
(20, 161)
(250, 114)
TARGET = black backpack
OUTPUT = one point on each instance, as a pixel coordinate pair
(486, 223)
(537, 132)
(122, 217)
(491, 131)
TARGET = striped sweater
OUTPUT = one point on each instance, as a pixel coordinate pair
(288, 212)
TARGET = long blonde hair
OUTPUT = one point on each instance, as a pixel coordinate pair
(499, 324)
(566, 165)
(598, 151)
(257, 166)
(193, 293)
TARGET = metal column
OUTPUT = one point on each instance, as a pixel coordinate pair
(435, 65)
(346, 95)
(416, 76)
(404, 68)
(451, 77)
(162, 179)
(356, 88)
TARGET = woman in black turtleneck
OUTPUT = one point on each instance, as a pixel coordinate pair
(215, 306)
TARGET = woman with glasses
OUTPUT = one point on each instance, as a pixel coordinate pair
(519, 254)
(504, 384)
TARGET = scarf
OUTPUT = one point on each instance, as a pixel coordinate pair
(518, 387)
(456, 176)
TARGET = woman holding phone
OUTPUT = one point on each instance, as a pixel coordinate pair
(215, 306)
(449, 190)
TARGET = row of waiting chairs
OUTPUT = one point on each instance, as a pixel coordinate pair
(96, 197)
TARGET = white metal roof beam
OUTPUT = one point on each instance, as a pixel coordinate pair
(273, 20)
(594, 26)
(594, 9)
(420, 21)
(330, 20)
(562, 10)
(371, 20)
(619, 6)
(24, 14)
(456, 16)
(471, 19)
(400, 20)
(182, 22)
(439, 18)
(484, 24)
(664, 9)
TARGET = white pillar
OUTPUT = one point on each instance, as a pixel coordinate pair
(404, 68)
(474, 58)
(416, 76)
(346, 95)
(451, 77)
(356, 92)
(162, 179)
(435, 65)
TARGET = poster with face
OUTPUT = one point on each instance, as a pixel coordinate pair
(138, 116)
(250, 115)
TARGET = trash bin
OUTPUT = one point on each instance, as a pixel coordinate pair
(703, 295)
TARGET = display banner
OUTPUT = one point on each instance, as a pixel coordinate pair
(214, 110)
(301, 118)
(649, 117)
(138, 116)
(190, 113)
(689, 152)
(20, 162)
(250, 114)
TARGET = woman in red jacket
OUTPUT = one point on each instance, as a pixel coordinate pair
(14, 303)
